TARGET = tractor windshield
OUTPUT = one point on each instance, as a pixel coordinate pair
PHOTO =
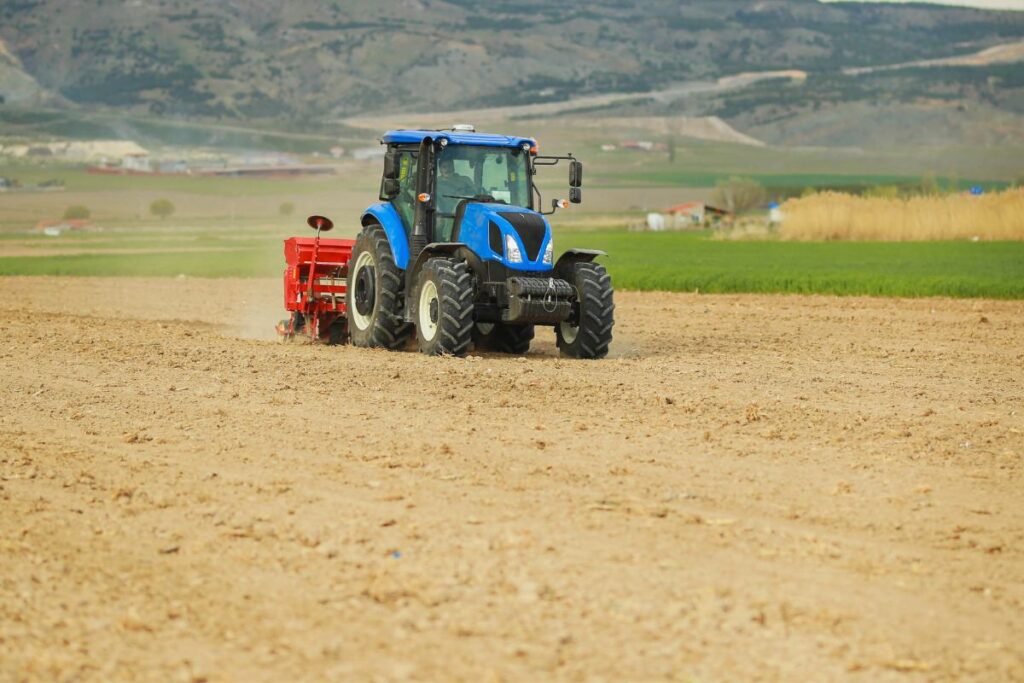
(496, 174)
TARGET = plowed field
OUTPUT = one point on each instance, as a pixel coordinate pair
(750, 488)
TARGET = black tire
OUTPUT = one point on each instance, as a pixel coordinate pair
(589, 333)
(375, 297)
(444, 311)
(514, 339)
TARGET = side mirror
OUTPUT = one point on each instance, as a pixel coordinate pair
(575, 195)
(575, 174)
(320, 223)
(389, 188)
(391, 168)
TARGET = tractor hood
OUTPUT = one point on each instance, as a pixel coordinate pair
(518, 238)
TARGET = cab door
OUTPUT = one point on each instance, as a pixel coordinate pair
(405, 201)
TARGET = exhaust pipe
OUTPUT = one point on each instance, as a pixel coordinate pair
(423, 218)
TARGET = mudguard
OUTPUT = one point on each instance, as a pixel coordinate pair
(433, 250)
(385, 214)
(572, 256)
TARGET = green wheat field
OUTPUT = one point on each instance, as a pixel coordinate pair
(670, 261)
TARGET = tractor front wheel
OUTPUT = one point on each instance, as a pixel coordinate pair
(589, 332)
(444, 311)
(375, 293)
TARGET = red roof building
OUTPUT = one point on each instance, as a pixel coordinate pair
(64, 224)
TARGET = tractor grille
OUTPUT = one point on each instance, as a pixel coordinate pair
(531, 229)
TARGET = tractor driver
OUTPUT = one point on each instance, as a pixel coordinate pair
(453, 184)
(452, 188)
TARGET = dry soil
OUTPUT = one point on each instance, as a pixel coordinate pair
(750, 488)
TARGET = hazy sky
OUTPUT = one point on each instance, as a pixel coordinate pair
(991, 4)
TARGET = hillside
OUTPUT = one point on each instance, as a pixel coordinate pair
(264, 59)
(782, 72)
(17, 86)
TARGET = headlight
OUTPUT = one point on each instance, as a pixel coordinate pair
(512, 252)
(549, 252)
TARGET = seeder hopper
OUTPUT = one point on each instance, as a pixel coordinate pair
(315, 283)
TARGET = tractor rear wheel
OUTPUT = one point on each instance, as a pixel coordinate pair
(589, 332)
(514, 339)
(444, 311)
(375, 293)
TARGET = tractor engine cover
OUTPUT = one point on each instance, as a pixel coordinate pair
(538, 300)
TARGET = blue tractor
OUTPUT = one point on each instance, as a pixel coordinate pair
(460, 252)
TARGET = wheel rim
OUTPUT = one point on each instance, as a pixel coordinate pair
(428, 310)
(365, 282)
(569, 332)
(365, 294)
(485, 328)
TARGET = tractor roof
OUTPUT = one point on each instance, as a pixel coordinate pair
(456, 138)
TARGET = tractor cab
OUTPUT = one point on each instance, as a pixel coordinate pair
(432, 179)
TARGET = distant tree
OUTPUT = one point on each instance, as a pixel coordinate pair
(930, 184)
(883, 192)
(76, 212)
(739, 195)
(162, 208)
(286, 209)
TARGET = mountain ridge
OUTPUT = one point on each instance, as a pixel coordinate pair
(307, 61)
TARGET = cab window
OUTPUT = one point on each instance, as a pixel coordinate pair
(404, 201)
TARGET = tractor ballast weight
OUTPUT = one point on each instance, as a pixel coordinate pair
(459, 251)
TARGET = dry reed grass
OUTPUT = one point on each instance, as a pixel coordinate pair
(838, 216)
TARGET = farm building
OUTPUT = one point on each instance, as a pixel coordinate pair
(53, 228)
(138, 163)
(693, 214)
(172, 166)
